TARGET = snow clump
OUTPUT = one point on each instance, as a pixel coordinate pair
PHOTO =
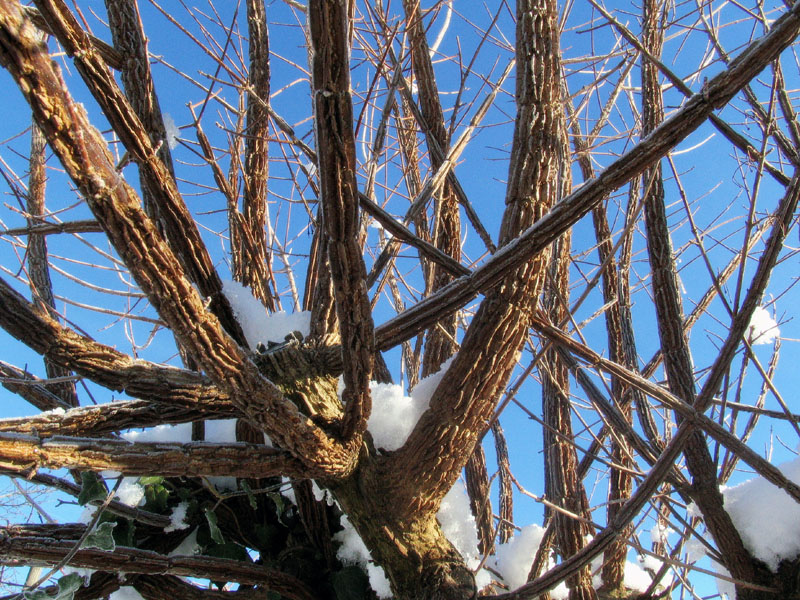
(394, 415)
(258, 326)
(177, 520)
(172, 131)
(353, 551)
(762, 329)
(126, 592)
(767, 518)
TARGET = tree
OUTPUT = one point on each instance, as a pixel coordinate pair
(614, 129)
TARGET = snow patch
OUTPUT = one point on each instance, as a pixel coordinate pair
(126, 592)
(458, 524)
(762, 329)
(130, 493)
(188, 547)
(768, 519)
(162, 433)
(177, 520)
(172, 131)
(353, 551)
(513, 559)
(394, 415)
(258, 326)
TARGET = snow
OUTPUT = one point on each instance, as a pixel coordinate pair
(694, 550)
(188, 547)
(130, 493)
(162, 433)
(394, 415)
(353, 551)
(126, 592)
(287, 491)
(768, 519)
(173, 133)
(762, 329)
(513, 559)
(636, 578)
(659, 533)
(322, 494)
(177, 520)
(458, 524)
(258, 326)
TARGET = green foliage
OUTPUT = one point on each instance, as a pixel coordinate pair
(213, 528)
(67, 586)
(251, 497)
(351, 583)
(156, 494)
(92, 488)
(102, 537)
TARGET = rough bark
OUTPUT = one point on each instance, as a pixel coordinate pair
(669, 315)
(38, 268)
(563, 486)
(154, 266)
(648, 486)
(569, 210)
(39, 550)
(23, 452)
(251, 258)
(472, 385)
(440, 340)
(127, 33)
(178, 224)
(333, 114)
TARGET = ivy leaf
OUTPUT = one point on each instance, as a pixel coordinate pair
(351, 583)
(156, 496)
(150, 480)
(251, 497)
(67, 586)
(92, 488)
(102, 537)
(280, 503)
(213, 528)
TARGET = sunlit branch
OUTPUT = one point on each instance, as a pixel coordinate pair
(571, 209)
(197, 459)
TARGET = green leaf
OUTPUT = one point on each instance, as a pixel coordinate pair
(230, 550)
(92, 488)
(213, 528)
(150, 480)
(251, 497)
(351, 583)
(102, 537)
(156, 497)
(67, 586)
(124, 532)
(280, 503)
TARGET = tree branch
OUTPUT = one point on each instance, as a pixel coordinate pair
(102, 419)
(571, 209)
(179, 226)
(333, 114)
(197, 459)
(129, 560)
(460, 409)
(157, 271)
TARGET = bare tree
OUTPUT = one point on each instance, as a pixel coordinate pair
(330, 181)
